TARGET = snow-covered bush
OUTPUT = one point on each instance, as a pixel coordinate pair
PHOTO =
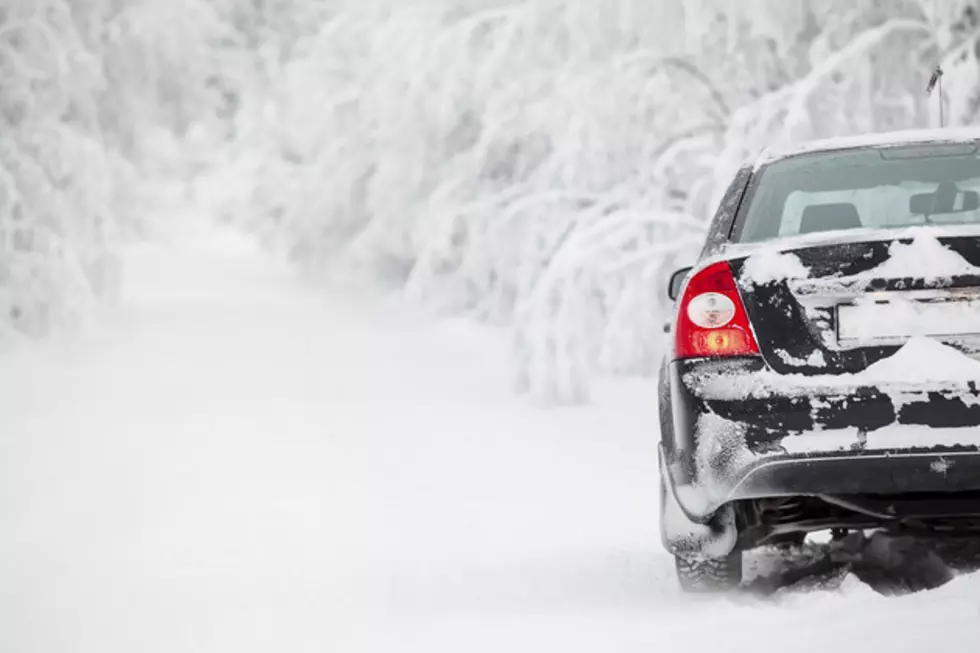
(55, 173)
(530, 164)
(96, 97)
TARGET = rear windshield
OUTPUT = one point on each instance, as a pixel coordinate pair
(875, 188)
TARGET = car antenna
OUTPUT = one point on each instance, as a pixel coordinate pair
(936, 81)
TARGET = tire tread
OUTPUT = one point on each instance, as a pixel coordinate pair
(710, 575)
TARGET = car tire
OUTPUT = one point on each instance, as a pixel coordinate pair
(705, 576)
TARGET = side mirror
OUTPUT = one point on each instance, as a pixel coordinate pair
(677, 283)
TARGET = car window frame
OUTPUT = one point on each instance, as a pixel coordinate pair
(758, 173)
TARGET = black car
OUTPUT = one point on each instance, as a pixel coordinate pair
(824, 373)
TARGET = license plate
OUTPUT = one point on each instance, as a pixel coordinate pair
(900, 320)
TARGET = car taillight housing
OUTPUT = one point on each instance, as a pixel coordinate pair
(711, 319)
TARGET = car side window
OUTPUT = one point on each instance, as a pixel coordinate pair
(722, 224)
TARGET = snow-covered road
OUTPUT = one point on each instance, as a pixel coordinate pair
(240, 463)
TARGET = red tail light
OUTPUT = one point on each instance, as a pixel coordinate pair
(711, 319)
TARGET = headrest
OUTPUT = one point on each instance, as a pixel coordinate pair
(829, 217)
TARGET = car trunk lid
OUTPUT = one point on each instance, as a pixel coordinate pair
(839, 307)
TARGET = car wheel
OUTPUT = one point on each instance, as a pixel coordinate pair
(711, 574)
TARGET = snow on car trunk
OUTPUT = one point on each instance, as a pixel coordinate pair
(922, 364)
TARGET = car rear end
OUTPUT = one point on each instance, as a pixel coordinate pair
(824, 372)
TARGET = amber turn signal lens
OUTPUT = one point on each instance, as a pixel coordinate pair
(723, 342)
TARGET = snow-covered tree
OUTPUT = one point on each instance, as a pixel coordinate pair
(544, 164)
(541, 164)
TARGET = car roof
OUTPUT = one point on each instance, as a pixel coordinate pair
(880, 140)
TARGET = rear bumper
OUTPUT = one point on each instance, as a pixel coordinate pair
(865, 473)
(877, 473)
(732, 437)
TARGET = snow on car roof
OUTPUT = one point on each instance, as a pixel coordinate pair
(886, 139)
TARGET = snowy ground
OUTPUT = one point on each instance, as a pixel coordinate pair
(239, 463)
